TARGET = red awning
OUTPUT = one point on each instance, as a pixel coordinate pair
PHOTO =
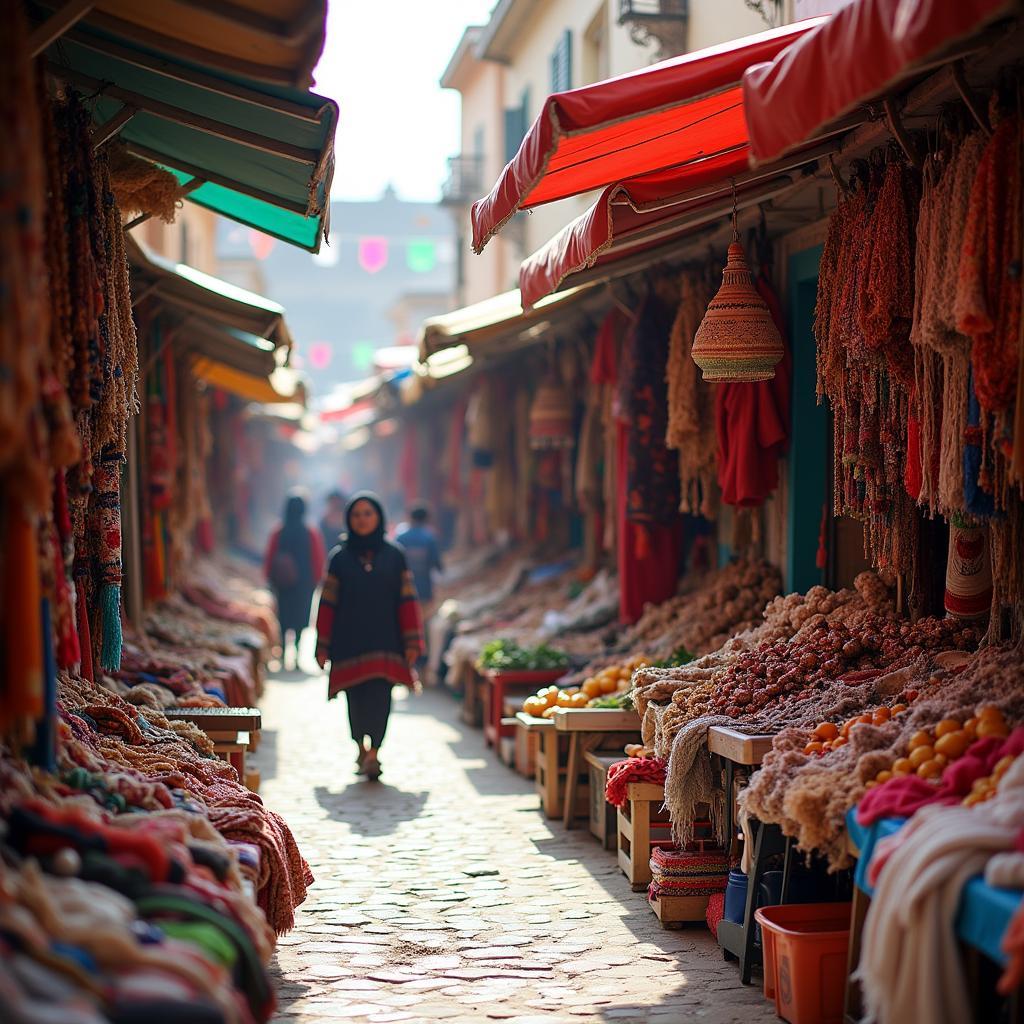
(640, 214)
(853, 57)
(677, 115)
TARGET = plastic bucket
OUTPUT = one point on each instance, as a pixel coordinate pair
(804, 948)
(736, 897)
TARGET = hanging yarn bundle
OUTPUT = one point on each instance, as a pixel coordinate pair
(691, 401)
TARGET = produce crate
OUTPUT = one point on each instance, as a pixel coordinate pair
(642, 825)
(498, 686)
(526, 743)
(507, 744)
(603, 817)
(472, 700)
(551, 770)
(676, 911)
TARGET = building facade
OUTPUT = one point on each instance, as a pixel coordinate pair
(504, 71)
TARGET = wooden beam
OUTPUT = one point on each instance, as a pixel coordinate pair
(193, 76)
(277, 29)
(197, 54)
(56, 25)
(217, 179)
(103, 133)
(168, 112)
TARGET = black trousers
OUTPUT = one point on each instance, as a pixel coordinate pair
(369, 708)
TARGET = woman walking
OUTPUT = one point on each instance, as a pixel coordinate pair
(293, 566)
(369, 626)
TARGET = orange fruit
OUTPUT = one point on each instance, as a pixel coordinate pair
(921, 738)
(898, 709)
(839, 741)
(971, 727)
(609, 685)
(919, 755)
(990, 711)
(883, 776)
(929, 770)
(826, 731)
(953, 744)
(592, 688)
(990, 727)
(813, 748)
(947, 725)
(902, 766)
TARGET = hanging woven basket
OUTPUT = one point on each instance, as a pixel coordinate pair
(737, 340)
(551, 416)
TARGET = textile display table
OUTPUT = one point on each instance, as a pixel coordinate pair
(591, 729)
(736, 751)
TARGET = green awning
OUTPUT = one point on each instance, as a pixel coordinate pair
(263, 152)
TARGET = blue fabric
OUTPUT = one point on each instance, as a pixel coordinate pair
(984, 913)
(423, 556)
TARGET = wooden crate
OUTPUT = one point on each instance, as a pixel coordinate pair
(641, 824)
(507, 744)
(472, 700)
(526, 745)
(551, 770)
(603, 817)
(676, 911)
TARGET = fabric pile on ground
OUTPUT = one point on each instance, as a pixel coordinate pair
(677, 872)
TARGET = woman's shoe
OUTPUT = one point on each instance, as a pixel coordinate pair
(361, 761)
(371, 767)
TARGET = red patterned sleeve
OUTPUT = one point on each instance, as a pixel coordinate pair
(410, 619)
(318, 556)
(325, 613)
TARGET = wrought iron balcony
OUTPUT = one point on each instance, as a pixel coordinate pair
(663, 21)
(464, 184)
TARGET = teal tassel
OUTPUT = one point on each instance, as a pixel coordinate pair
(110, 610)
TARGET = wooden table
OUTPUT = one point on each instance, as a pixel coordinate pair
(546, 767)
(738, 750)
(591, 729)
(603, 817)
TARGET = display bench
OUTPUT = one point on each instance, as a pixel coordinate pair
(737, 754)
(983, 915)
(590, 729)
(235, 733)
(602, 815)
(641, 823)
(498, 687)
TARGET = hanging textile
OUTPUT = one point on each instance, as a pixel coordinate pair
(603, 376)
(752, 423)
(652, 474)
(691, 418)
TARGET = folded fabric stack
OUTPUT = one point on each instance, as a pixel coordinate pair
(633, 769)
(141, 880)
(676, 872)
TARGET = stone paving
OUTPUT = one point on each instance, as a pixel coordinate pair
(443, 895)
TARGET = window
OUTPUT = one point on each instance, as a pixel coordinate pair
(517, 120)
(561, 63)
(478, 141)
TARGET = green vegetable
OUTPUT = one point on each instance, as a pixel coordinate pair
(507, 655)
(679, 657)
(622, 701)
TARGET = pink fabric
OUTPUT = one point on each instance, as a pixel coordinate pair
(901, 796)
(633, 769)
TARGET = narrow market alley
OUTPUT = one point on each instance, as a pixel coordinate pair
(441, 894)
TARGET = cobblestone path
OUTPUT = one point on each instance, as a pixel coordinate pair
(443, 895)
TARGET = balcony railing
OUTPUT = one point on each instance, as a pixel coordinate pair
(464, 184)
(663, 22)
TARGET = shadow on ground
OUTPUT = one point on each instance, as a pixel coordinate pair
(382, 807)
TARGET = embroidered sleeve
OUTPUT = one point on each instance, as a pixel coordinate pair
(325, 613)
(410, 620)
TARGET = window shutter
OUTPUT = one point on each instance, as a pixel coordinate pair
(561, 63)
(517, 121)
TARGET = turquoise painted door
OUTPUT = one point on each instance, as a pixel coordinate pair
(811, 434)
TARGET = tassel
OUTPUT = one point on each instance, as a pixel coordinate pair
(44, 750)
(84, 632)
(110, 612)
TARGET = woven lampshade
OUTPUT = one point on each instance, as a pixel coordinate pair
(551, 416)
(737, 339)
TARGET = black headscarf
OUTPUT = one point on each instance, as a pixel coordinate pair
(372, 541)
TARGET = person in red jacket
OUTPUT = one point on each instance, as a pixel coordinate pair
(294, 566)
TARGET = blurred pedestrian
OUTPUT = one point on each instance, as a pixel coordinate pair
(422, 551)
(293, 566)
(369, 627)
(332, 523)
